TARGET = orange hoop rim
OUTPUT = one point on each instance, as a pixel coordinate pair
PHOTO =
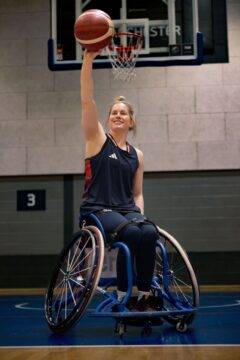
(123, 55)
(122, 47)
(128, 34)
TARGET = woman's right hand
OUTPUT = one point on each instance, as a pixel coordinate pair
(91, 55)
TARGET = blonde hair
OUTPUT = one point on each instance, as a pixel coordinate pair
(123, 100)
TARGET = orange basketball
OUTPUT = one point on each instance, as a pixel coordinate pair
(94, 29)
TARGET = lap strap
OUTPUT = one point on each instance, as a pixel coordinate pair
(114, 236)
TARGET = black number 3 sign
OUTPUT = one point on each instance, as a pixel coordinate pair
(30, 200)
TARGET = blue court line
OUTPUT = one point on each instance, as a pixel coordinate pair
(23, 324)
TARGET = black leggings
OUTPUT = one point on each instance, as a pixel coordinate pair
(141, 241)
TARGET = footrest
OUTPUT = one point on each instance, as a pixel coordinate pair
(143, 314)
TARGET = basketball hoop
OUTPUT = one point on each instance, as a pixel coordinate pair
(123, 52)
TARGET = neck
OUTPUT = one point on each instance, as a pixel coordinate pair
(120, 138)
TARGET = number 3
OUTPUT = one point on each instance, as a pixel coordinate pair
(31, 199)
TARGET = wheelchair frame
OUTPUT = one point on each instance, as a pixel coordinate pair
(77, 276)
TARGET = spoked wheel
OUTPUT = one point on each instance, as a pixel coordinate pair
(177, 280)
(74, 279)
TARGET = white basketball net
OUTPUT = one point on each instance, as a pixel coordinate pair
(123, 52)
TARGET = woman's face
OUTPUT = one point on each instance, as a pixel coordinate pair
(119, 118)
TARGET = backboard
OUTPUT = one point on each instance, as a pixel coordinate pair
(169, 28)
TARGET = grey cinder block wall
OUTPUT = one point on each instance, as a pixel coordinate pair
(188, 117)
(188, 120)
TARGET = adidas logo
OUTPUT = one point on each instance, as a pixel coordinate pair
(113, 156)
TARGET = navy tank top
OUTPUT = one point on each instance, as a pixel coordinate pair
(109, 179)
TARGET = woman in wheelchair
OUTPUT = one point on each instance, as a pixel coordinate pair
(112, 209)
(113, 188)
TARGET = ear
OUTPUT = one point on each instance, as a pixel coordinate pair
(133, 124)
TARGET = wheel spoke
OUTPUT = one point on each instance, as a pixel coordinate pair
(181, 292)
(77, 248)
(70, 288)
(66, 292)
(78, 264)
(74, 254)
(68, 259)
(60, 304)
(182, 282)
(59, 284)
(177, 270)
(61, 270)
(82, 270)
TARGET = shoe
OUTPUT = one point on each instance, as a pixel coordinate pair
(149, 303)
(118, 307)
(132, 303)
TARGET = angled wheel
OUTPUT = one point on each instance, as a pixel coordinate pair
(176, 281)
(74, 279)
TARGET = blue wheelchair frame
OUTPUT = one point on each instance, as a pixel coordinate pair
(123, 316)
(67, 296)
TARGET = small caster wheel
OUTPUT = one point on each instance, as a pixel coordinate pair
(181, 327)
(120, 329)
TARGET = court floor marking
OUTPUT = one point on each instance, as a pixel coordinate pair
(23, 306)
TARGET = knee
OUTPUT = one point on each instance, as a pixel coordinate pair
(132, 232)
(149, 234)
(131, 236)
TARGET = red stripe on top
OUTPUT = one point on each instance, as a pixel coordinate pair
(88, 171)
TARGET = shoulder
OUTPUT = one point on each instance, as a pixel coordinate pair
(139, 155)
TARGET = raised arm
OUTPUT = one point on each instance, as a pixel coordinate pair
(93, 130)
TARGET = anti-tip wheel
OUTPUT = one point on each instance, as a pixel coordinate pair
(181, 327)
(120, 329)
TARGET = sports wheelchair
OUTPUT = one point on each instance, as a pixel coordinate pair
(76, 278)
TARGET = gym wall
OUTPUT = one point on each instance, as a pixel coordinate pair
(188, 116)
(188, 127)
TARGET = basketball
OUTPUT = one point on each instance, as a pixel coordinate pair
(93, 29)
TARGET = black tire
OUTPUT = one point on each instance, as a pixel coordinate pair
(182, 285)
(74, 279)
